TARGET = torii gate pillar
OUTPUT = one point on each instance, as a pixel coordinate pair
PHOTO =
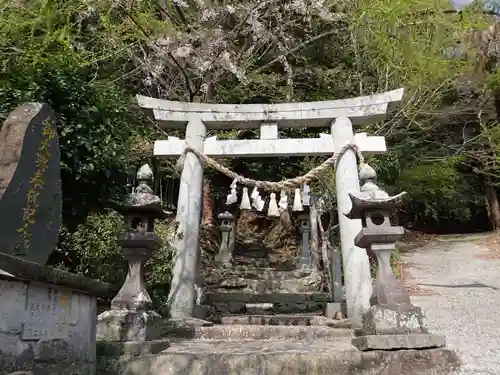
(187, 280)
(356, 265)
(340, 115)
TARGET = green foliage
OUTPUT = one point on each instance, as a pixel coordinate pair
(51, 54)
(438, 194)
(94, 252)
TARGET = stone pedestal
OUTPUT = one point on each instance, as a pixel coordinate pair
(128, 325)
(395, 327)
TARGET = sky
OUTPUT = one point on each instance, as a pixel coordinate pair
(488, 4)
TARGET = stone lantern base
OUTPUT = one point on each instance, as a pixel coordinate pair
(130, 332)
(392, 327)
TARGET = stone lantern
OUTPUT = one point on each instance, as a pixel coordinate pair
(227, 229)
(391, 312)
(304, 225)
(131, 317)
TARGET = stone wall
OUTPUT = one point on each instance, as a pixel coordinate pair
(46, 327)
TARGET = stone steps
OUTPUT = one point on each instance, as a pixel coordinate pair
(262, 273)
(277, 357)
(268, 286)
(285, 320)
(218, 297)
(230, 303)
(276, 264)
(257, 332)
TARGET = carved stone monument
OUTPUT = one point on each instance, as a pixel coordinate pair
(392, 322)
(30, 183)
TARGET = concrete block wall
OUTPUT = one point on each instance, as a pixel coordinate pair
(46, 326)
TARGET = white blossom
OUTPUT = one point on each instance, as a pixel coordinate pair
(183, 51)
(180, 3)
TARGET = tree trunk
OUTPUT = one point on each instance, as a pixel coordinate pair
(492, 205)
(207, 218)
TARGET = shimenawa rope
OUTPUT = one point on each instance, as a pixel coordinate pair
(291, 183)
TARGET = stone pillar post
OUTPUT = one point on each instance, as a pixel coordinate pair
(357, 278)
(184, 291)
(226, 227)
(305, 249)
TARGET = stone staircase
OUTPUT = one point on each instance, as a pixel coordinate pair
(262, 289)
(268, 318)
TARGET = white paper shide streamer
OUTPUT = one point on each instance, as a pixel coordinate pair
(257, 201)
(306, 198)
(273, 207)
(283, 203)
(232, 197)
(297, 201)
(245, 200)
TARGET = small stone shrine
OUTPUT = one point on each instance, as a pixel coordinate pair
(392, 322)
(131, 324)
(30, 183)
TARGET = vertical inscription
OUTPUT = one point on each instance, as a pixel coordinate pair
(48, 313)
(35, 188)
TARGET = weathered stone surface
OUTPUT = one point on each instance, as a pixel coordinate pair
(187, 322)
(46, 329)
(395, 342)
(296, 281)
(259, 308)
(30, 183)
(127, 325)
(335, 310)
(316, 357)
(279, 320)
(116, 348)
(283, 303)
(23, 269)
(258, 332)
(393, 319)
(67, 367)
(214, 297)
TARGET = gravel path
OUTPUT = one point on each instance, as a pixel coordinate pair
(466, 298)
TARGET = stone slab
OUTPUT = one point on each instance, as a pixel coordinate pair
(129, 325)
(397, 342)
(67, 367)
(187, 323)
(278, 320)
(317, 357)
(132, 348)
(17, 268)
(259, 308)
(257, 332)
(335, 310)
(46, 329)
(393, 319)
(30, 183)
(214, 297)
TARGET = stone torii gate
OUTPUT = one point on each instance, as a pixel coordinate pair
(196, 118)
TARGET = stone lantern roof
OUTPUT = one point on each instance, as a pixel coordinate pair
(371, 196)
(142, 200)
